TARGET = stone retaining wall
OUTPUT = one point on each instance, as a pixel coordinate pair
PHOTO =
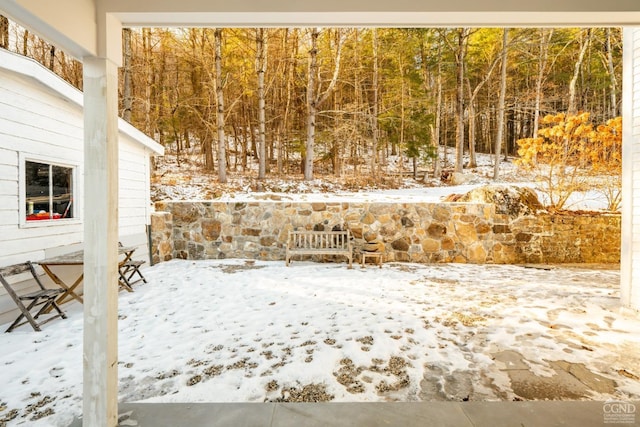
(416, 232)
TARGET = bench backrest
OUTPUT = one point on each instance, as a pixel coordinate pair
(319, 239)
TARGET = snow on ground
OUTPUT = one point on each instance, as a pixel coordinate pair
(232, 331)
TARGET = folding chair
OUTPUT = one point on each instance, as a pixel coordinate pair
(128, 269)
(43, 298)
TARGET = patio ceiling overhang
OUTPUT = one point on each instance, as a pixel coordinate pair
(82, 27)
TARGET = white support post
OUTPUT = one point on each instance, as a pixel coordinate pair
(630, 252)
(100, 356)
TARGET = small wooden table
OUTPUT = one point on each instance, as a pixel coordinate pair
(376, 256)
(70, 259)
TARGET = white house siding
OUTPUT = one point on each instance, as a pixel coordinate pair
(41, 122)
(630, 245)
(635, 284)
(134, 208)
(630, 257)
(35, 123)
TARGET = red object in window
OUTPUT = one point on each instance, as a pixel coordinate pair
(42, 216)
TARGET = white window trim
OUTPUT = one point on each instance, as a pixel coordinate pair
(23, 158)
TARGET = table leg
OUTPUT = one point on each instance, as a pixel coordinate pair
(69, 290)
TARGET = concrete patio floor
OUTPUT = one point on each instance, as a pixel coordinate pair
(454, 414)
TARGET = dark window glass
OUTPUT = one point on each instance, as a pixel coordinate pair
(49, 191)
(61, 188)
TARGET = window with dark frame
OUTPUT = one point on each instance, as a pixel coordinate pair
(49, 191)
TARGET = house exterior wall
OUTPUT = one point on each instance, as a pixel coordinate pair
(37, 123)
(634, 297)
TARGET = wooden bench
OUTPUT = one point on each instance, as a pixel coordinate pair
(309, 242)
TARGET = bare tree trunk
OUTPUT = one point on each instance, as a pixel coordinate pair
(4, 32)
(501, 102)
(572, 108)
(314, 100)
(283, 135)
(160, 92)
(472, 110)
(437, 164)
(52, 57)
(311, 106)
(222, 156)
(335, 148)
(127, 98)
(545, 39)
(147, 55)
(374, 118)
(463, 34)
(261, 67)
(396, 149)
(25, 43)
(472, 131)
(613, 84)
(291, 60)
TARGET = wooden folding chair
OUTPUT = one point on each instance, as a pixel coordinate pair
(43, 298)
(128, 269)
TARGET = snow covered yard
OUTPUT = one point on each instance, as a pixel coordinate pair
(231, 331)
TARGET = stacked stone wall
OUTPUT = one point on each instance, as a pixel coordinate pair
(415, 232)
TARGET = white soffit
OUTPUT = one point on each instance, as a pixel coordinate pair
(379, 19)
(383, 13)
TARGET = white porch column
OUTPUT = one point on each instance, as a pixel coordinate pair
(100, 354)
(630, 247)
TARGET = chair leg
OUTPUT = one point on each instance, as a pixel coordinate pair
(127, 273)
(47, 306)
(55, 305)
(135, 269)
(25, 314)
(124, 283)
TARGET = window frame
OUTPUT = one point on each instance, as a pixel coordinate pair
(51, 161)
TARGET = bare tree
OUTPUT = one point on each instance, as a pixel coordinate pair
(127, 98)
(501, 102)
(261, 67)
(52, 57)
(222, 156)
(612, 75)
(460, 51)
(543, 54)
(25, 43)
(315, 100)
(147, 55)
(374, 113)
(4, 32)
(472, 112)
(437, 164)
(572, 107)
